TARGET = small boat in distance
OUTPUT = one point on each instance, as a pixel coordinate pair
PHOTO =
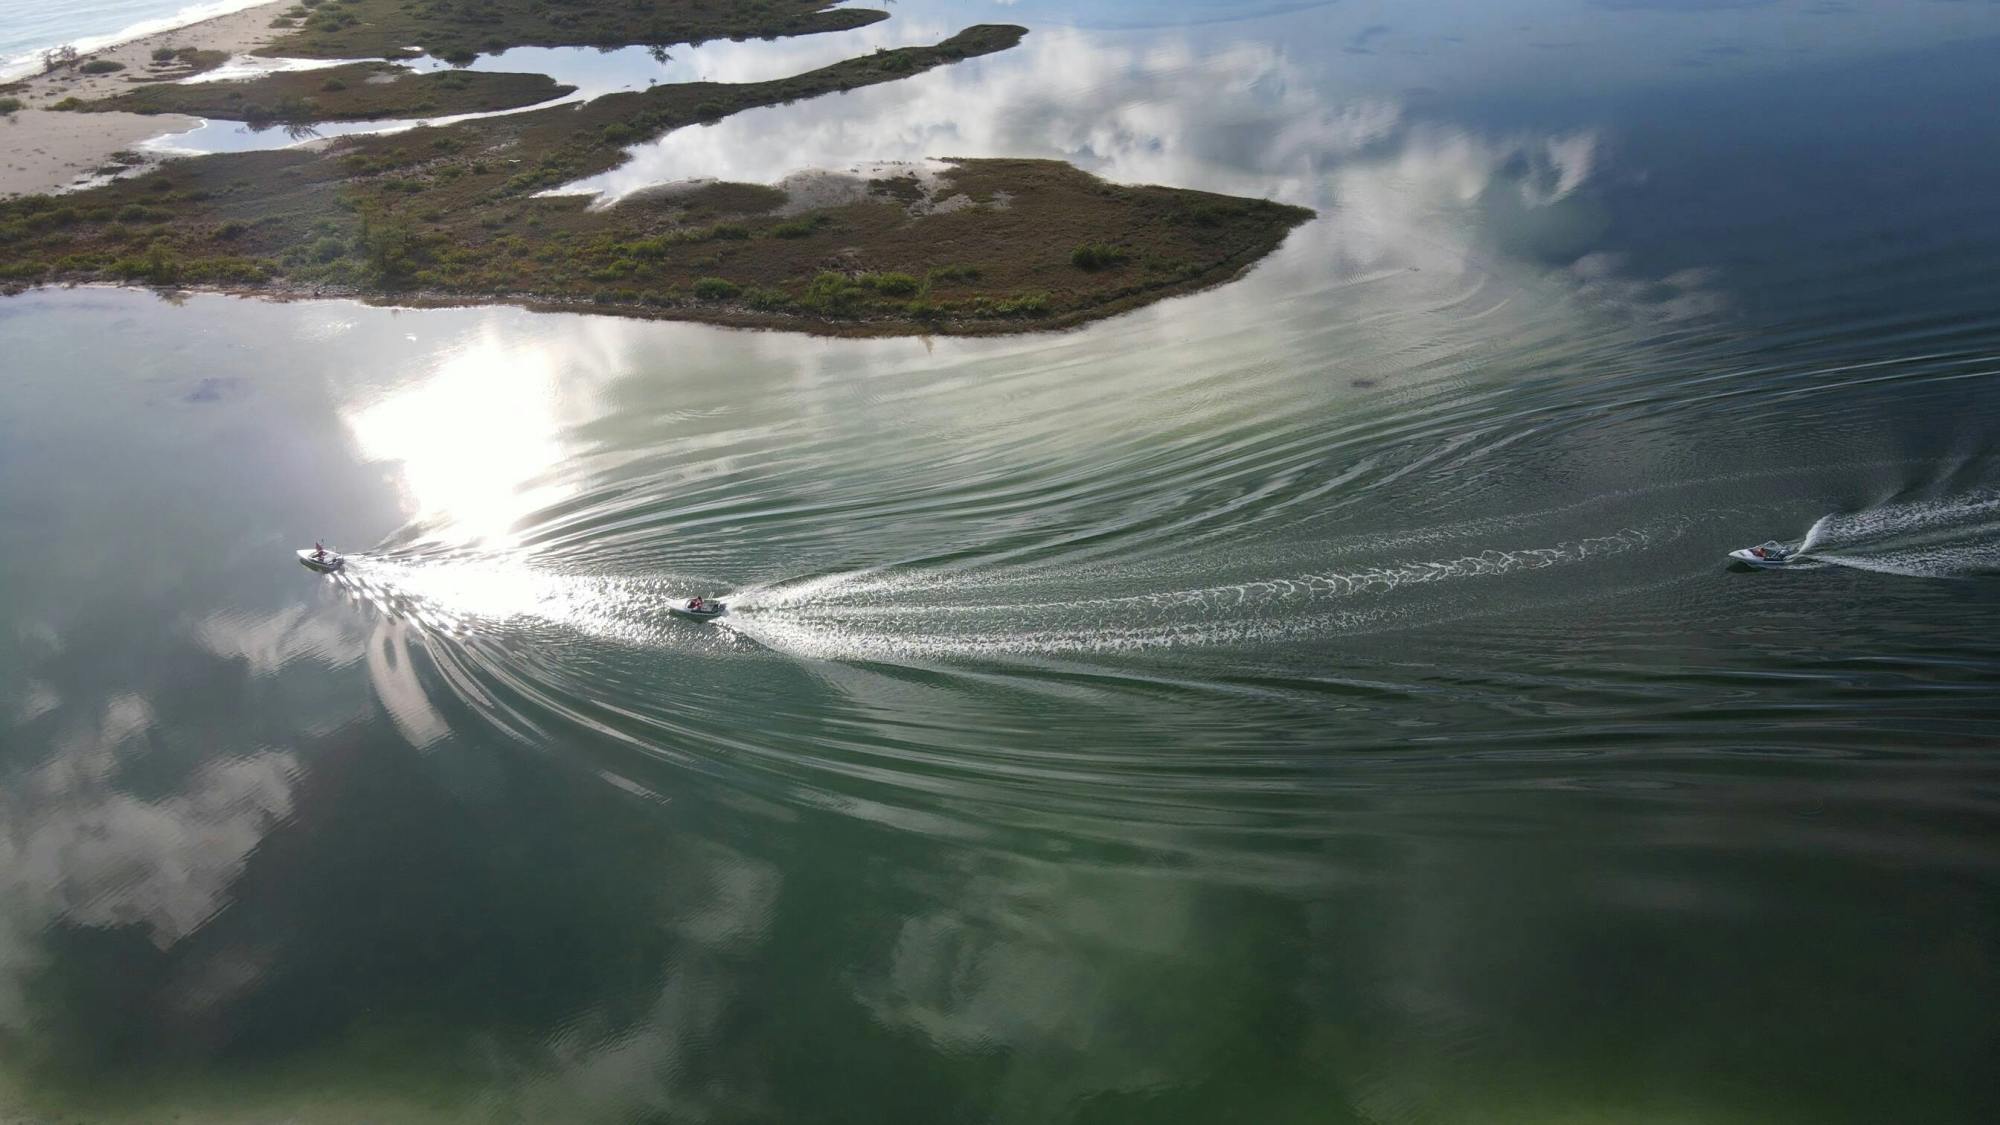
(1766, 554)
(700, 609)
(320, 559)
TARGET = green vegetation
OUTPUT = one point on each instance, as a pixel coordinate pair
(892, 284)
(9, 104)
(1097, 256)
(101, 66)
(451, 214)
(355, 92)
(171, 63)
(799, 228)
(458, 30)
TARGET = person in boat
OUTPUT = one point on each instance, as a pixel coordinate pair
(697, 604)
(319, 551)
(1769, 551)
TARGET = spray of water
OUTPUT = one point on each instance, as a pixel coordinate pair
(1956, 537)
(886, 614)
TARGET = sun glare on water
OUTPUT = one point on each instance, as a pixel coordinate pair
(472, 439)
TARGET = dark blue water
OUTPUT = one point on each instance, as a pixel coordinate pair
(1325, 698)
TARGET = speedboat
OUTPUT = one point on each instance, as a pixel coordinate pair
(1767, 554)
(326, 562)
(699, 609)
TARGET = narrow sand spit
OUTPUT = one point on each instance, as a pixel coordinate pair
(42, 150)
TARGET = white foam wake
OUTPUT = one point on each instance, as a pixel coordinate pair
(1951, 538)
(880, 616)
(888, 615)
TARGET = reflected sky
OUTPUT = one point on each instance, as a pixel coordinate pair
(1442, 55)
(593, 71)
(471, 439)
(1349, 645)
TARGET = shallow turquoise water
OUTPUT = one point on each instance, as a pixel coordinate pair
(1323, 698)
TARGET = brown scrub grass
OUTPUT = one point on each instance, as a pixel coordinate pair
(350, 29)
(449, 215)
(363, 91)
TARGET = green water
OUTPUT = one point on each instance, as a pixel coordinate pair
(1321, 699)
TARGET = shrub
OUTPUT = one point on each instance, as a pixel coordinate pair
(1096, 256)
(218, 270)
(101, 66)
(1027, 304)
(68, 103)
(799, 228)
(955, 273)
(458, 55)
(157, 265)
(9, 105)
(729, 231)
(895, 62)
(163, 54)
(715, 289)
(392, 248)
(234, 228)
(766, 298)
(333, 85)
(892, 284)
(832, 294)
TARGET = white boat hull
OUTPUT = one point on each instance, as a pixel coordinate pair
(1747, 556)
(327, 565)
(708, 612)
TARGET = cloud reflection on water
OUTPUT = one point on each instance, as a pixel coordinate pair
(77, 848)
(594, 72)
(1394, 187)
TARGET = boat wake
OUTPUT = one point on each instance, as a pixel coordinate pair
(1957, 537)
(876, 616)
(940, 614)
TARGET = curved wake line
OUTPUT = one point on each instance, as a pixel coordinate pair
(828, 622)
(834, 596)
(880, 615)
(1957, 537)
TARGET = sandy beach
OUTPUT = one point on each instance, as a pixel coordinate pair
(42, 150)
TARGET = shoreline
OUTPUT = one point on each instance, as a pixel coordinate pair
(734, 316)
(452, 216)
(51, 151)
(25, 64)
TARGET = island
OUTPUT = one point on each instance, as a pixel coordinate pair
(461, 213)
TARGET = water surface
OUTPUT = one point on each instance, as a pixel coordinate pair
(1322, 698)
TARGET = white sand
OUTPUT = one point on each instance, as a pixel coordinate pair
(42, 150)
